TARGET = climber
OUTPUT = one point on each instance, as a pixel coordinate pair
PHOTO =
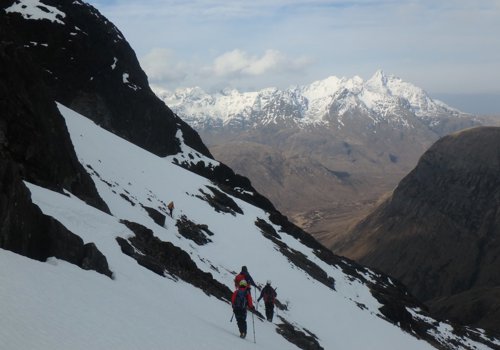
(269, 294)
(170, 208)
(244, 275)
(241, 301)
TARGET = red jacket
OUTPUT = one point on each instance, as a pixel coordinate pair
(246, 277)
(249, 297)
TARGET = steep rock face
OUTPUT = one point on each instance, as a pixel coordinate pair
(90, 67)
(33, 133)
(439, 232)
(35, 146)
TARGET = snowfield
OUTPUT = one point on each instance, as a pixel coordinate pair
(56, 305)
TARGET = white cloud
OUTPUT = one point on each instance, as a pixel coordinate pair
(235, 68)
(230, 63)
(162, 65)
(238, 62)
(271, 60)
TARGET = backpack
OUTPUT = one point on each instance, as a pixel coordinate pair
(269, 295)
(238, 279)
(240, 302)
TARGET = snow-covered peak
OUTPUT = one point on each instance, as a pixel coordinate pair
(421, 103)
(377, 96)
(355, 84)
(377, 83)
(196, 95)
(193, 94)
(322, 88)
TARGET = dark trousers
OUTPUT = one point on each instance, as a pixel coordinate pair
(269, 311)
(241, 320)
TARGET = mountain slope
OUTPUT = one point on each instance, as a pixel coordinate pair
(438, 232)
(116, 310)
(326, 152)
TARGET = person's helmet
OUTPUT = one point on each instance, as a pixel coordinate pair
(268, 282)
(243, 283)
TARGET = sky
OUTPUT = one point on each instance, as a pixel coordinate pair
(450, 48)
(56, 305)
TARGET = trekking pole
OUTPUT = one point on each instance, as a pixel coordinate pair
(253, 320)
(231, 320)
(253, 326)
(274, 304)
(255, 297)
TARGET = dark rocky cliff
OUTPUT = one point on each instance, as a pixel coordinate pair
(439, 233)
(35, 147)
(89, 66)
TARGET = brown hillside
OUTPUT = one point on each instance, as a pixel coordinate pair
(439, 233)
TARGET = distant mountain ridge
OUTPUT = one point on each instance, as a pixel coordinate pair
(324, 102)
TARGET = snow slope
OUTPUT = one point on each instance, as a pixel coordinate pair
(56, 305)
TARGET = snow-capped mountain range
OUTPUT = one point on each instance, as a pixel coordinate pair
(382, 98)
